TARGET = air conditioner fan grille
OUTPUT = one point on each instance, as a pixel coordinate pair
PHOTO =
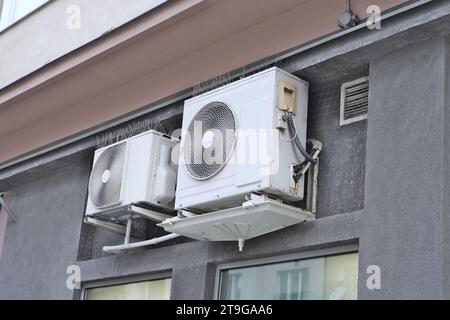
(212, 133)
(105, 182)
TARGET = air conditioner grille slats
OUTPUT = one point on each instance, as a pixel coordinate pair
(105, 182)
(354, 100)
(217, 120)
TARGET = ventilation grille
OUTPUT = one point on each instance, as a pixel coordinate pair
(354, 101)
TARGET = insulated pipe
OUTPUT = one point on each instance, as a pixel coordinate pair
(115, 249)
(297, 142)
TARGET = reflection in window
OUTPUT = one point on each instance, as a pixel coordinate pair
(331, 277)
(14, 10)
(146, 290)
(290, 284)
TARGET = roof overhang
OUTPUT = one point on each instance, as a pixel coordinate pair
(154, 57)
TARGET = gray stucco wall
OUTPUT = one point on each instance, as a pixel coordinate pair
(44, 241)
(342, 162)
(390, 198)
(62, 196)
(402, 226)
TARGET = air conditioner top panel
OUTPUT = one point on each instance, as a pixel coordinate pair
(140, 135)
(244, 80)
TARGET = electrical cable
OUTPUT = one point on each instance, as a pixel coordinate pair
(297, 142)
(285, 116)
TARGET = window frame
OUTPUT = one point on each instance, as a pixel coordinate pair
(9, 25)
(309, 254)
(123, 281)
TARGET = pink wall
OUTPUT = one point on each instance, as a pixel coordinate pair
(122, 73)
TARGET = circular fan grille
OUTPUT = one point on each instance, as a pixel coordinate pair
(212, 134)
(105, 182)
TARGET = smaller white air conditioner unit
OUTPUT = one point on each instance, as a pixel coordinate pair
(136, 170)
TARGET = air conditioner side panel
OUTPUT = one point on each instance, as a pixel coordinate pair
(280, 183)
(162, 174)
(138, 168)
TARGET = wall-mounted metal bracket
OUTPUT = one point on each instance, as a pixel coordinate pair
(7, 209)
(115, 219)
(259, 215)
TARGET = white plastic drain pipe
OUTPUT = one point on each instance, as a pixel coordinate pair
(133, 245)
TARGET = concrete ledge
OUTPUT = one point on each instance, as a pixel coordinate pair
(329, 231)
(157, 260)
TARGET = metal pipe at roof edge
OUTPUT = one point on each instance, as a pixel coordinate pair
(188, 92)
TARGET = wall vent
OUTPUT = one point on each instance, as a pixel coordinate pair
(354, 101)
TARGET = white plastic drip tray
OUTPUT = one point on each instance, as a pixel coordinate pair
(238, 224)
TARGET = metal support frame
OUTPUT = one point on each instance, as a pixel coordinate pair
(130, 213)
(7, 209)
(114, 218)
(258, 215)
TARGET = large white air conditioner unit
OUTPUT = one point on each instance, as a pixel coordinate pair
(237, 140)
(135, 170)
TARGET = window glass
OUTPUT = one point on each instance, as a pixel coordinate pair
(14, 10)
(331, 277)
(146, 290)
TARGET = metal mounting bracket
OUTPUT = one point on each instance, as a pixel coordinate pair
(7, 209)
(114, 218)
(258, 215)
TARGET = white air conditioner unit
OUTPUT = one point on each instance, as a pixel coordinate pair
(236, 142)
(135, 170)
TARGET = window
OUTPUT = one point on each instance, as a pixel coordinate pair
(145, 290)
(12, 11)
(331, 277)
